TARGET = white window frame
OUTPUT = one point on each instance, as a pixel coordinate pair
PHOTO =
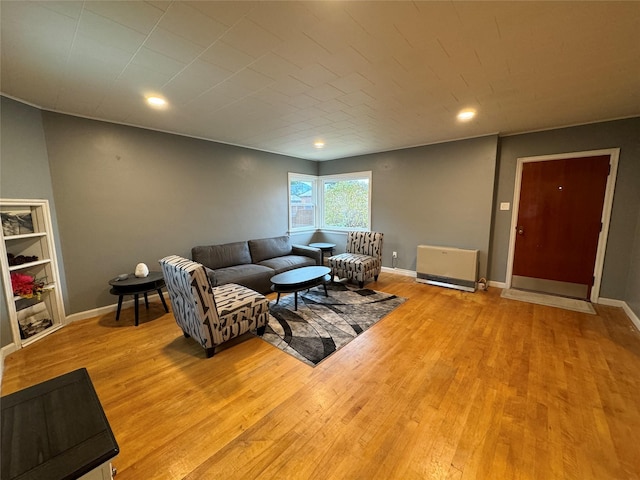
(344, 176)
(318, 187)
(314, 187)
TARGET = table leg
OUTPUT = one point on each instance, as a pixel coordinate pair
(146, 300)
(295, 301)
(135, 299)
(166, 309)
(119, 307)
(325, 289)
(278, 299)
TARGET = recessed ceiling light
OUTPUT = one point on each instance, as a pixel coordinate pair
(156, 101)
(466, 115)
(319, 144)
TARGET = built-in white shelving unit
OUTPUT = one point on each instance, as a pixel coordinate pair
(28, 248)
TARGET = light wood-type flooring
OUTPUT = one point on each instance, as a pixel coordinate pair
(450, 385)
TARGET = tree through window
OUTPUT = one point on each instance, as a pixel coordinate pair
(346, 202)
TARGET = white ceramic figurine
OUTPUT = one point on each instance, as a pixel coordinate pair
(141, 270)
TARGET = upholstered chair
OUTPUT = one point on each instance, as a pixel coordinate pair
(211, 315)
(362, 260)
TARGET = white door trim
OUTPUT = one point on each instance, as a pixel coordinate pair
(614, 154)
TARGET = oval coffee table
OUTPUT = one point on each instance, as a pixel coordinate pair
(299, 279)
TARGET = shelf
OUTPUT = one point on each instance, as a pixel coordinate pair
(35, 240)
(28, 265)
(25, 235)
(46, 289)
(39, 335)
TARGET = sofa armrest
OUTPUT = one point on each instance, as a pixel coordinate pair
(212, 276)
(311, 252)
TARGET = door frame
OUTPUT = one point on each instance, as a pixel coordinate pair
(614, 154)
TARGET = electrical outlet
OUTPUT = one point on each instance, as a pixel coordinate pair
(395, 254)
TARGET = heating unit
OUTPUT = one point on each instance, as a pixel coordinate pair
(447, 267)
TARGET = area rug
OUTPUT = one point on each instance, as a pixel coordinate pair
(322, 325)
(548, 300)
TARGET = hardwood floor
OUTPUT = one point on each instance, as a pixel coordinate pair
(450, 385)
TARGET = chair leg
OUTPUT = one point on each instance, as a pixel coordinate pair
(375, 277)
(186, 335)
(361, 284)
(260, 330)
(210, 351)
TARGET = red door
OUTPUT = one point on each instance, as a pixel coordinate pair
(559, 223)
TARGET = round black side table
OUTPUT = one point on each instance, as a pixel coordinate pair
(324, 247)
(136, 286)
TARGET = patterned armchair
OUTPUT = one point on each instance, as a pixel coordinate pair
(211, 315)
(362, 260)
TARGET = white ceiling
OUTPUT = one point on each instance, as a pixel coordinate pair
(362, 76)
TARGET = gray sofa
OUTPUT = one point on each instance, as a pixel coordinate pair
(252, 263)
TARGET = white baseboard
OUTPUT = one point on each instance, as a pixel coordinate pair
(497, 284)
(399, 271)
(97, 312)
(612, 302)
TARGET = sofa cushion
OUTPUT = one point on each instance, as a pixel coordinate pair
(265, 248)
(255, 277)
(288, 262)
(221, 256)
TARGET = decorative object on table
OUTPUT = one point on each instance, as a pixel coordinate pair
(122, 276)
(26, 286)
(362, 259)
(322, 325)
(20, 259)
(16, 223)
(34, 319)
(141, 270)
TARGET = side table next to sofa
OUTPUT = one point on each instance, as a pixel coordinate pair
(324, 247)
(137, 286)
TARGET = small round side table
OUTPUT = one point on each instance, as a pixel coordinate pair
(324, 247)
(136, 286)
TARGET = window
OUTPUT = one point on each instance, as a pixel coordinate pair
(334, 202)
(302, 202)
(346, 201)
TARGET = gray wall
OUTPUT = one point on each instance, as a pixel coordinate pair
(624, 134)
(127, 195)
(437, 194)
(24, 174)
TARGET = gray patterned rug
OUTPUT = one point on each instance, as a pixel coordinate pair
(322, 325)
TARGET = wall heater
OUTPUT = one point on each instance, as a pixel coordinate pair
(447, 267)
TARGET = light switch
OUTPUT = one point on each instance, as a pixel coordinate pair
(505, 205)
